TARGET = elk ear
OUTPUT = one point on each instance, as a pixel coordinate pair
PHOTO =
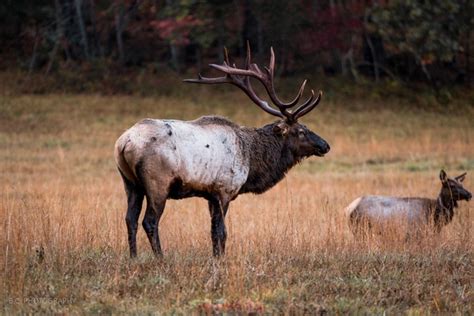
(443, 176)
(281, 128)
(461, 177)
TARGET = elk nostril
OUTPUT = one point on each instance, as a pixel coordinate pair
(327, 148)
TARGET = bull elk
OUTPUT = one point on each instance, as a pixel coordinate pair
(370, 211)
(212, 157)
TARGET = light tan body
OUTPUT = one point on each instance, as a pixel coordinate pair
(382, 209)
(205, 157)
(396, 217)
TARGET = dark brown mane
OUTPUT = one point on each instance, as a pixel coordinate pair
(269, 157)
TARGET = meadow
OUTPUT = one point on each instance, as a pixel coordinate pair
(62, 207)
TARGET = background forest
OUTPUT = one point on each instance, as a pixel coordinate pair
(400, 40)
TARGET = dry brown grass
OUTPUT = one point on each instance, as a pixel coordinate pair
(289, 250)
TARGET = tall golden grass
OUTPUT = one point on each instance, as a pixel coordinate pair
(62, 207)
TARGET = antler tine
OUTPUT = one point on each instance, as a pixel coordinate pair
(247, 88)
(306, 107)
(298, 96)
(305, 103)
(272, 61)
(258, 73)
(226, 56)
(270, 87)
(248, 58)
(206, 80)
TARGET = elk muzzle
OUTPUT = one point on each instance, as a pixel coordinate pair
(321, 147)
(467, 196)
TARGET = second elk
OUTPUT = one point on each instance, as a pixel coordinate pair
(375, 212)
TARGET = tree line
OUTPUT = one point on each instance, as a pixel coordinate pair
(404, 39)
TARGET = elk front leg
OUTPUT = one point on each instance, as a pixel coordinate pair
(218, 210)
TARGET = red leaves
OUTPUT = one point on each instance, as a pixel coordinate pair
(176, 30)
(332, 28)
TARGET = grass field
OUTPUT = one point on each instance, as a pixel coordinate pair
(289, 250)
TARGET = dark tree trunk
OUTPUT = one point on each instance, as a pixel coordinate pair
(198, 58)
(122, 17)
(119, 21)
(97, 50)
(260, 38)
(219, 16)
(59, 36)
(373, 48)
(174, 49)
(469, 39)
(250, 26)
(82, 28)
(242, 39)
(32, 64)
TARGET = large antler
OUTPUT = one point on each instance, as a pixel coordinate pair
(241, 78)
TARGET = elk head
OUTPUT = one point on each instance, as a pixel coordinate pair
(301, 140)
(453, 188)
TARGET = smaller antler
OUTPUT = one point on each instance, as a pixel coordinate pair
(241, 78)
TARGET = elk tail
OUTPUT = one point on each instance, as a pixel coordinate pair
(351, 207)
(122, 164)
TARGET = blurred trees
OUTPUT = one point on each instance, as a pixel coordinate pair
(408, 39)
(431, 33)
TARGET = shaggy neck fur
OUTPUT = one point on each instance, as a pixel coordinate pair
(444, 208)
(269, 157)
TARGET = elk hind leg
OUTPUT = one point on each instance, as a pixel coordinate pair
(156, 185)
(154, 210)
(135, 196)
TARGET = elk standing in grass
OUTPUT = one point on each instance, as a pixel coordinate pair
(212, 157)
(370, 211)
